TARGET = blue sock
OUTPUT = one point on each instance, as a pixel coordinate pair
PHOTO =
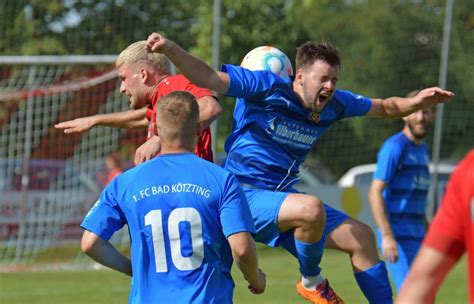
(374, 284)
(309, 256)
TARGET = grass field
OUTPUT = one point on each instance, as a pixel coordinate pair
(105, 286)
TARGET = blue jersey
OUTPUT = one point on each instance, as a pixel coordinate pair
(180, 210)
(272, 132)
(403, 166)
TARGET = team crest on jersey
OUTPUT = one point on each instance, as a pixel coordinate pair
(314, 117)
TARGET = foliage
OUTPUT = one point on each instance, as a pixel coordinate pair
(388, 48)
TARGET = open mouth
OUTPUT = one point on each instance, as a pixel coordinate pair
(323, 98)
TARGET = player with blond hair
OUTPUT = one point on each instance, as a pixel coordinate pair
(145, 78)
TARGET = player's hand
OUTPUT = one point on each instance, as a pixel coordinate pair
(389, 249)
(77, 125)
(157, 43)
(259, 285)
(148, 150)
(431, 97)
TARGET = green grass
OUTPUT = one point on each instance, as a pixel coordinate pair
(105, 286)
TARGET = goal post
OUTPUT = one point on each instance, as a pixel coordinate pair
(49, 179)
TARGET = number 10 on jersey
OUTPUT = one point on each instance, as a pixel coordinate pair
(154, 219)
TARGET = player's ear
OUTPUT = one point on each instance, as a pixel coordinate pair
(299, 77)
(144, 74)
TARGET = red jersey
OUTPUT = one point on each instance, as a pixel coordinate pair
(173, 83)
(452, 230)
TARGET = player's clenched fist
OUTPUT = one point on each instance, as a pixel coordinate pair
(156, 43)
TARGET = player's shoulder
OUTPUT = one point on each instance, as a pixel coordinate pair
(396, 143)
(177, 79)
(398, 139)
(205, 164)
(465, 168)
(345, 96)
(266, 75)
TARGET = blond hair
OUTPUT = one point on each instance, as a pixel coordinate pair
(137, 52)
(177, 116)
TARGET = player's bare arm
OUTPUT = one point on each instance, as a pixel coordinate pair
(393, 107)
(426, 275)
(195, 69)
(209, 110)
(245, 257)
(147, 150)
(379, 211)
(132, 119)
(105, 253)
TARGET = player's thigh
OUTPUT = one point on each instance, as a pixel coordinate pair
(299, 209)
(351, 236)
(265, 206)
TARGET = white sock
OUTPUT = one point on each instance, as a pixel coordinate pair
(311, 282)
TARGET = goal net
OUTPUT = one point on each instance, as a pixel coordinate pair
(48, 179)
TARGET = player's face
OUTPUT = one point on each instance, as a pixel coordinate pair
(316, 84)
(419, 122)
(132, 86)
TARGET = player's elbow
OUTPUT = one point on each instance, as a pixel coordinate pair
(242, 251)
(242, 245)
(216, 109)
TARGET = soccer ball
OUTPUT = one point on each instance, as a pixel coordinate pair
(268, 58)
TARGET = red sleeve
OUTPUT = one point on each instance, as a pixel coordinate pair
(149, 113)
(452, 221)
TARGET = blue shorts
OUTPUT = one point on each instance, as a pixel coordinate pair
(265, 206)
(407, 250)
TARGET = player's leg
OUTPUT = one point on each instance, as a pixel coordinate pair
(358, 240)
(279, 216)
(303, 215)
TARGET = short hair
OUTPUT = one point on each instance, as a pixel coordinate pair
(177, 116)
(137, 52)
(309, 52)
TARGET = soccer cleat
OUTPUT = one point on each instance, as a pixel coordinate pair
(322, 295)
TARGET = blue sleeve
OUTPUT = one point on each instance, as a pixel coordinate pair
(354, 104)
(105, 217)
(235, 213)
(388, 160)
(245, 83)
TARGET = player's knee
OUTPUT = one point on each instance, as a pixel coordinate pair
(313, 211)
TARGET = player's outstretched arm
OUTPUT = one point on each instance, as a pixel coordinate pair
(104, 253)
(147, 150)
(195, 69)
(245, 257)
(426, 275)
(129, 119)
(402, 106)
(379, 212)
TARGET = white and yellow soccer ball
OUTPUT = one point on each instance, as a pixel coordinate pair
(268, 58)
